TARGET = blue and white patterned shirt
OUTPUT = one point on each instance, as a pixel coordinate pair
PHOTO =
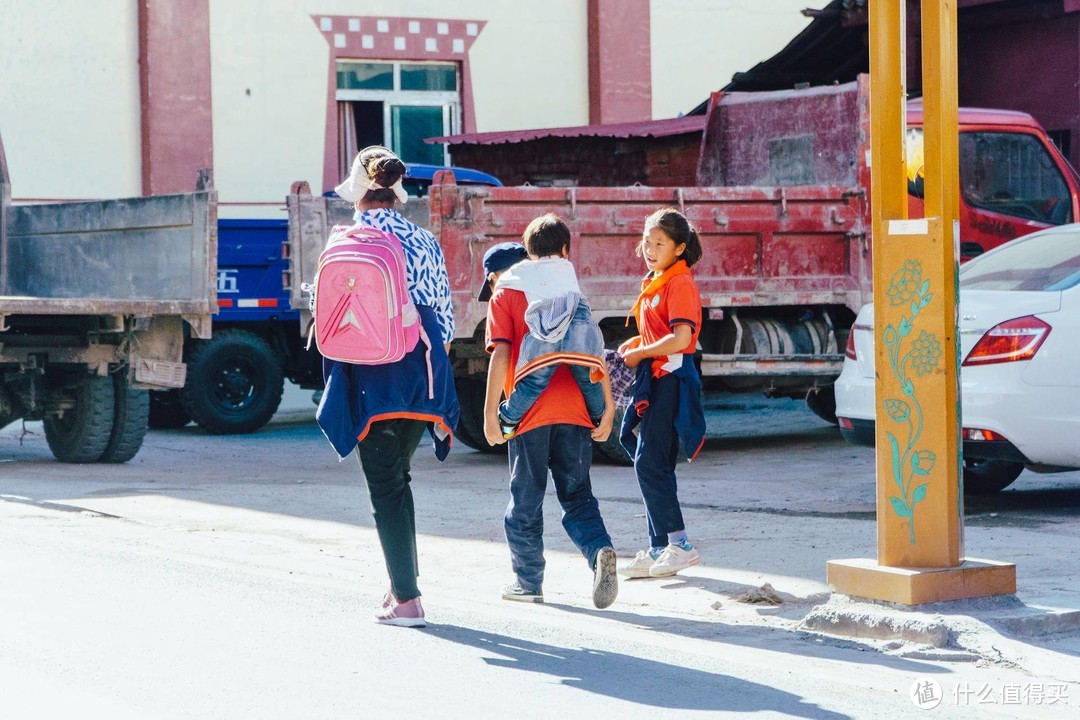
(425, 268)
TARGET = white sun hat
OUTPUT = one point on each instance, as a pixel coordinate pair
(358, 183)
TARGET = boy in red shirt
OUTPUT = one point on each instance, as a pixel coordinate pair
(555, 435)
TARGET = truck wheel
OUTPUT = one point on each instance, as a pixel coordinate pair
(83, 432)
(471, 394)
(611, 449)
(822, 402)
(166, 410)
(983, 477)
(130, 415)
(9, 410)
(234, 383)
(462, 434)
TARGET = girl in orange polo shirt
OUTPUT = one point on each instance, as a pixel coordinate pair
(668, 314)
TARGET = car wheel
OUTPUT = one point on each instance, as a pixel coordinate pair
(982, 477)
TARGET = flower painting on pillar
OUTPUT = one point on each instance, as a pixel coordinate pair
(909, 360)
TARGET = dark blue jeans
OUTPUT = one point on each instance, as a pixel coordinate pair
(528, 389)
(385, 454)
(565, 450)
(655, 459)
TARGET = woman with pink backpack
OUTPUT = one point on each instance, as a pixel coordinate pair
(391, 377)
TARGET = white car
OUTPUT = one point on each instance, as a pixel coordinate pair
(1020, 375)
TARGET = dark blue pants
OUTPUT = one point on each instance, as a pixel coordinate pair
(385, 455)
(655, 459)
(565, 450)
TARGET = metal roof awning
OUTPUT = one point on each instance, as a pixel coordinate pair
(646, 128)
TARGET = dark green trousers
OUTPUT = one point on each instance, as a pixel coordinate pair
(384, 459)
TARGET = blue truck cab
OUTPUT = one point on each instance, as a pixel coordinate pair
(236, 378)
(420, 175)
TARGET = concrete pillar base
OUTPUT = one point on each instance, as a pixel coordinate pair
(972, 578)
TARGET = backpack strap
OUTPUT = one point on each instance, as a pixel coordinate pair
(309, 290)
(427, 359)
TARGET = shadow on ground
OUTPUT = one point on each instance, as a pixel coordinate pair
(632, 679)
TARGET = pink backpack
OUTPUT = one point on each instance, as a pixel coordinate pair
(363, 314)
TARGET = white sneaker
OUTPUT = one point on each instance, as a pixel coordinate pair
(674, 559)
(639, 566)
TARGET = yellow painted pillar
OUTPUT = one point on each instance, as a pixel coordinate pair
(888, 114)
(919, 497)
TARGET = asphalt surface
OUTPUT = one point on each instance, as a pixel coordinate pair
(234, 577)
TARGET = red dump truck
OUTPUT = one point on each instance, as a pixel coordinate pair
(782, 208)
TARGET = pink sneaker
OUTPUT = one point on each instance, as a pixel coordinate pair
(404, 614)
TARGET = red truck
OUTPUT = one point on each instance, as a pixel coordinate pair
(782, 208)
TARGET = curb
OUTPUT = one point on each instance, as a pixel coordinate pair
(938, 625)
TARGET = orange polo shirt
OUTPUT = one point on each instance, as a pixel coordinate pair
(678, 302)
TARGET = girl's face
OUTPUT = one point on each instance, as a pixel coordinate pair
(660, 251)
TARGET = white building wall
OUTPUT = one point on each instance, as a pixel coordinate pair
(530, 64)
(69, 98)
(697, 45)
(269, 74)
(70, 111)
(270, 64)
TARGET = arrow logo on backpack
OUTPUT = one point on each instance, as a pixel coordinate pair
(349, 313)
(350, 319)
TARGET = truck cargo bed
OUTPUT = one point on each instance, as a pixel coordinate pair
(132, 256)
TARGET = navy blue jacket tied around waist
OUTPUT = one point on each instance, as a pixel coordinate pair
(689, 418)
(420, 386)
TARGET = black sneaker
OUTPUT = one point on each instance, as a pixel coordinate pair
(605, 586)
(519, 594)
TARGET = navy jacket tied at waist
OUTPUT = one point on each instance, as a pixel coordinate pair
(358, 395)
(690, 417)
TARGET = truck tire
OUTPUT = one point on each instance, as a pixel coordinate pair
(462, 434)
(822, 402)
(611, 449)
(130, 415)
(166, 410)
(234, 383)
(471, 392)
(984, 477)
(83, 433)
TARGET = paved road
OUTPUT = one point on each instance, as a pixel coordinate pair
(234, 578)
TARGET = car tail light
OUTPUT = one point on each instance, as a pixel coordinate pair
(983, 435)
(845, 423)
(1012, 340)
(849, 349)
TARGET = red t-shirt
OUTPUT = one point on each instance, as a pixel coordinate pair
(562, 401)
(677, 303)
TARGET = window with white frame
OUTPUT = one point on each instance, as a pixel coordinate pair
(398, 105)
